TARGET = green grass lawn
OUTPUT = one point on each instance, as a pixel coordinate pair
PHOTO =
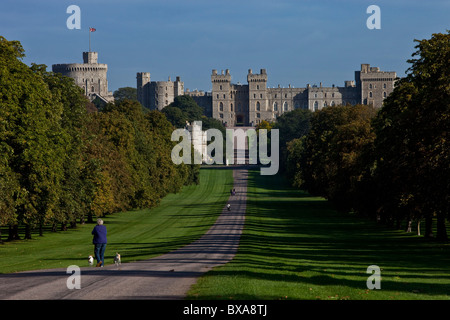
(295, 246)
(180, 219)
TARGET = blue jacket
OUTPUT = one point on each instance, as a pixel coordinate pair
(99, 233)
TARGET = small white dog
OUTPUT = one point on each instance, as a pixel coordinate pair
(91, 260)
(117, 259)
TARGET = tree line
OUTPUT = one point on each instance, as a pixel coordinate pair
(391, 164)
(62, 161)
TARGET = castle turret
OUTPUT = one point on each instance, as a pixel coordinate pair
(258, 100)
(221, 100)
(142, 82)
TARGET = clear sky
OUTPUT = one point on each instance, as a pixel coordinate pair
(296, 41)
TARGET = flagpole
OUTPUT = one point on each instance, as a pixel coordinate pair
(89, 39)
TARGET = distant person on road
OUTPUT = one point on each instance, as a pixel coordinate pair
(229, 207)
(99, 242)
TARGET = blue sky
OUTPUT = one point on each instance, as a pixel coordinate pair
(296, 41)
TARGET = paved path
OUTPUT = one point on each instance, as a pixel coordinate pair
(165, 277)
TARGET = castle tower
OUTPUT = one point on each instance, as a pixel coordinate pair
(258, 99)
(222, 107)
(155, 95)
(90, 57)
(374, 85)
(143, 82)
(90, 75)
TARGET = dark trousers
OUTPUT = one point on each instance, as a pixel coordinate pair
(99, 251)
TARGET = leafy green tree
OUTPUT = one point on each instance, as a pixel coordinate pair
(329, 156)
(291, 125)
(124, 93)
(412, 138)
(32, 136)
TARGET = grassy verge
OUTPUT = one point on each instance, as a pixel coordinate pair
(295, 246)
(180, 219)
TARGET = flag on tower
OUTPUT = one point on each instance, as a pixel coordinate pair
(91, 29)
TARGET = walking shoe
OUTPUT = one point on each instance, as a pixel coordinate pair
(99, 264)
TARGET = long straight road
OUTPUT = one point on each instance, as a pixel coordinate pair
(165, 277)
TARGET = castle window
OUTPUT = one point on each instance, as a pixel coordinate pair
(221, 106)
(220, 87)
(257, 87)
(92, 89)
(258, 115)
(224, 96)
(258, 106)
(332, 95)
(370, 86)
(217, 96)
(285, 106)
(231, 107)
(370, 94)
(315, 95)
(316, 106)
(332, 103)
(384, 86)
(384, 94)
(275, 106)
(260, 95)
(221, 115)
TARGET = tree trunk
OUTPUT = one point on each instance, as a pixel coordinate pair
(13, 233)
(63, 226)
(441, 228)
(41, 231)
(27, 231)
(429, 226)
(408, 226)
(418, 227)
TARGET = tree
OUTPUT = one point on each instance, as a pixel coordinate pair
(32, 136)
(412, 137)
(291, 125)
(124, 93)
(328, 158)
(183, 109)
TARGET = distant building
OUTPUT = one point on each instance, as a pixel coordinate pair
(249, 104)
(89, 75)
(155, 95)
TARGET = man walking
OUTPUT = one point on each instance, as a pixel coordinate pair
(99, 242)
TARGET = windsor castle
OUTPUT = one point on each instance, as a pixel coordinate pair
(237, 104)
(249, 104)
